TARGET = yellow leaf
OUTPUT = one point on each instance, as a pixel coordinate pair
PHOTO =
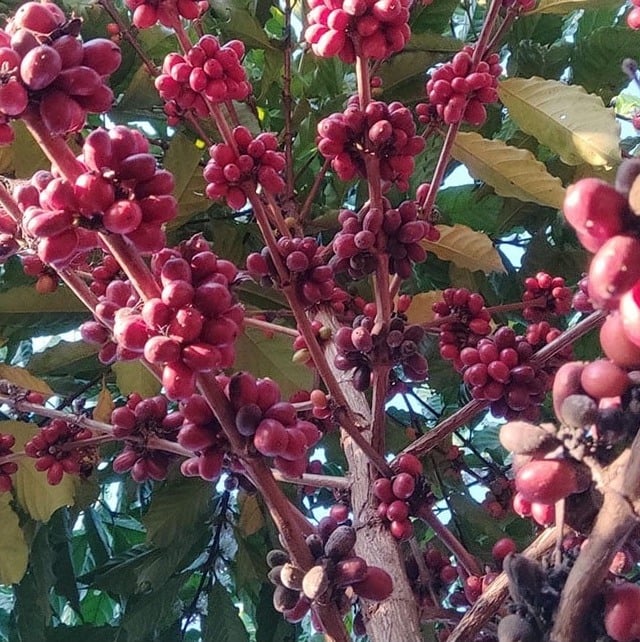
(567, 6)
(24, 379)
(251, 518)
(104, 406)
(511, 171)
(569, 121)
(132, 376)
(33, 492)
(14, 552)
(466, 248)
(420, 309)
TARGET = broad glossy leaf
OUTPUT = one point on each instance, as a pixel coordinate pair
(14, 552)
(24, 300)
(466, 248)
(569, 121)
(567, 6)
(76, 357)
(511, 171)
(241, 23)
(251, 517)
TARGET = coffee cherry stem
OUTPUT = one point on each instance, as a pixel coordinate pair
(317, 481)
(441, 167)
(512, 13)
(125, 31)
(313, 191)
(175, 23)
(465, 559)
(363, 78)
(459, 418)
(270, 327)
(490, 19)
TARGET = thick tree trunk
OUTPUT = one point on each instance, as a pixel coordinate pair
(397, 618)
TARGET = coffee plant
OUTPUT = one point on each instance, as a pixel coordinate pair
(320, 321)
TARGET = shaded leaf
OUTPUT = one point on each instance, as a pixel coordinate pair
(33, 493)
(14, 552)
(132, 376)
(242, 24)
(465, 248)
(567, 6)
(223, 624)
(183, 159)
(267, 356)
(177, 506)
(65, 357)
(511, 171)
(569, 121)
(24, 379)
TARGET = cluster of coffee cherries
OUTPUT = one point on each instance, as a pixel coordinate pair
(202, 434)
(471, 322)
(234, 170)
(557, 296)
(396, 231)
(272, 424)
(498, 369)
(301, 353)
(146, 13)
(191, 327)
(460, 89)
(118, 293)
(581, 301)
(8, 468)
(397, 494)
(304, 259)
(335, 570)
(386, 131)
(46, 67)
(51, 453)
(121, 191)
(47, 279)
(8, 237)
(136, 422)
(360, 350)
(209, 71)
(380, 28)
(605, 220)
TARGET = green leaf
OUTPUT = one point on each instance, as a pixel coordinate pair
(270, 625)
(183, 159)
(132, 376)
(223, 624)
(65, 357)
(511, 171)
(267, 356)
(597, 57)
(251, 517)
(59, 531)
(178, 506)
(14, 552)
(24, 300)
(33, 493)
(435, 17)
(241, 23)
(567, 6)
(569, 121)
(626, 105)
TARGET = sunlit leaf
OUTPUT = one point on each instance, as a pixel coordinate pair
(251, 517)
(569, 121)
(14, 552)
(104, 405)
(24, 379)
(34, 494)
(567, 6)
(466, 248)
(420, 310)
(132, 376)
(511, 171)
